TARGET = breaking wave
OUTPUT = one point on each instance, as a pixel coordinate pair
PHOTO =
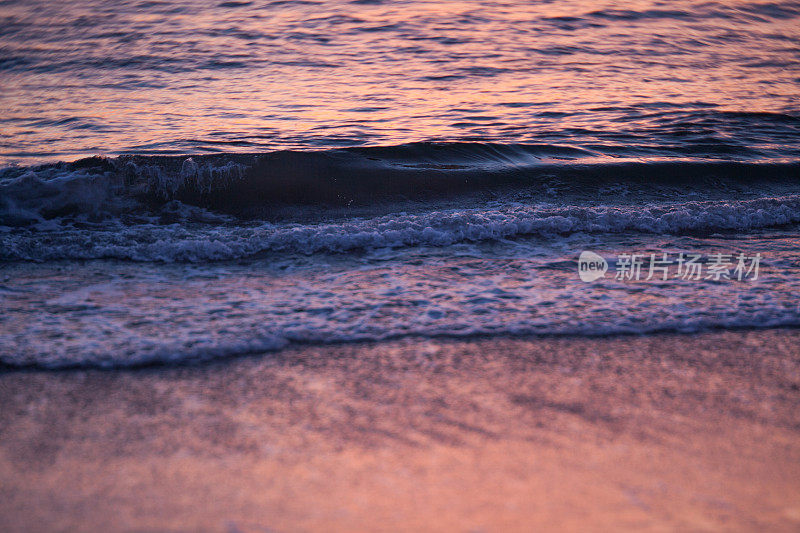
(254, 185)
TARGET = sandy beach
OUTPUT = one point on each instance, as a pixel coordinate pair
(661, 433)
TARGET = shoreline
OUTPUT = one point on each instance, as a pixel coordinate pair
(666, 431)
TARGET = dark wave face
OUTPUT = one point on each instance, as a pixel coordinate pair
(638, 79)
(302, 186)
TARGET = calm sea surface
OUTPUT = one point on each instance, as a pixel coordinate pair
(716, 79)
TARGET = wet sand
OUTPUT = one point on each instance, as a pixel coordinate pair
(659, 433)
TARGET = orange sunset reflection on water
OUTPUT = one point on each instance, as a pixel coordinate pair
(191, 77)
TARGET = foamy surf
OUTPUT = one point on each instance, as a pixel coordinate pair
(200, 241)
(129, 261)
(119, 314)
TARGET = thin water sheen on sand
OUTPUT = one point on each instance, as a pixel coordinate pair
(668, 432)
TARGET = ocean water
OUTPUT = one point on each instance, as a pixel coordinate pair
(190, 180)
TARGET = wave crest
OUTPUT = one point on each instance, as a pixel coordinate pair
(255, 185)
